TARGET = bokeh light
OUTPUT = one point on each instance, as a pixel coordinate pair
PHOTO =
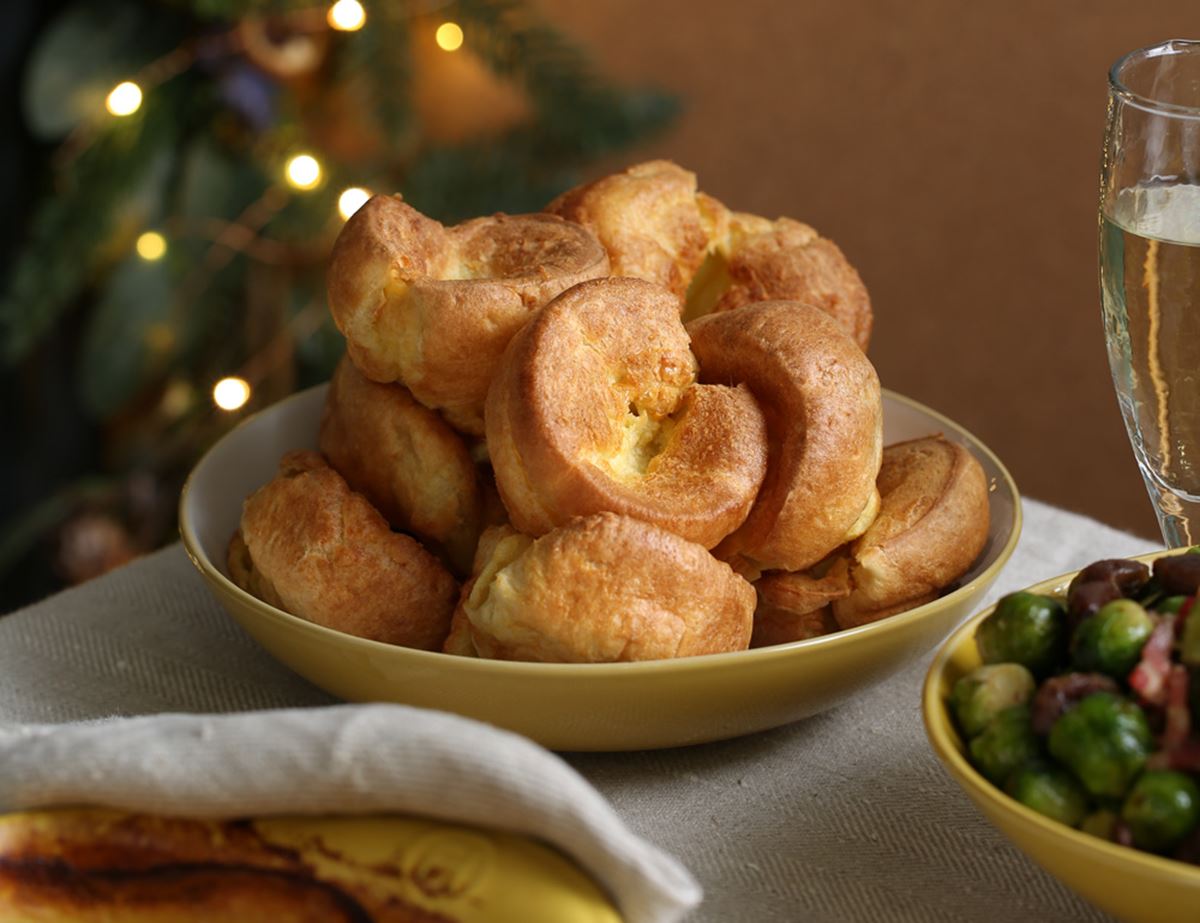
(449, 36)
(151, 246)
(351, 200)
(231, 393)
(346, 16)
(124, 99)
(303, 171)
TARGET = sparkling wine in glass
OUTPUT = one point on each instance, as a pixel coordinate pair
(1150, 271)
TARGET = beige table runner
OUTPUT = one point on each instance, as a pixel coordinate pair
(844, 817)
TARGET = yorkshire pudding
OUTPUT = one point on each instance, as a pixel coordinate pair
(795, 606)
(332, 559)
(821, 400)
(783, 260)
(657, 226)
(433, 307)
(595, 408)
(651, 220)
(404, 459)
(932, 524)
(606, 588)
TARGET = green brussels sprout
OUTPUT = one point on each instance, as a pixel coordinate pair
(1049, 790)
(1006, 744)
(1170, 605)
(1163, 807)
(986, 691)
(1104, 740)
(1111, 640)
(1189, 641)
(1024, 628)
(1100, 823)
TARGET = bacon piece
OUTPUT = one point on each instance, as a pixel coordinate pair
(1149, 677)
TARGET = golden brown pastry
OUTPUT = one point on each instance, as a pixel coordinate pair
(785, 260)
(333, 559)
(595, 408)
(459, 640)
(433, 307)
(243, 572)
(651, 220)
(796, 606)
(821, 400)
(606, 588)
(95, 865)
(405, 460)
(657, 226)
(932, 525)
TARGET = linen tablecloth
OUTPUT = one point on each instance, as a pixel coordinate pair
(846, 816)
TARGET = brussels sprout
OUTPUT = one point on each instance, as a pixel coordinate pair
(985, 692)
(1111, 640)
(1100, 823)
(1189, 642)
(1171, 605)
(1005, 744)
(1024, 628)
(1104, 740)
(1049, 790)
(1162, 808)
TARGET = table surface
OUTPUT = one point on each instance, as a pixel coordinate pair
(846, 816)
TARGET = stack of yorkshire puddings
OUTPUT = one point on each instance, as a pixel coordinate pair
(638, 426)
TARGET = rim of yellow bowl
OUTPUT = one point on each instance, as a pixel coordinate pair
(939, 728)
(891, 624)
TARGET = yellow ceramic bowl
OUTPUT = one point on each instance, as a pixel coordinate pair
(621, 706)
(1135, 886)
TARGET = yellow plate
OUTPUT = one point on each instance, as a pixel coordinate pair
(620, 706)
(1136, 886)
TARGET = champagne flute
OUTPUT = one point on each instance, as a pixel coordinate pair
(1150, 271)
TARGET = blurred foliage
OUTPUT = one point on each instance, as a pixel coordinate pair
(232, 89)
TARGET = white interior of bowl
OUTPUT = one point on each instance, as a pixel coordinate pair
(248, 456)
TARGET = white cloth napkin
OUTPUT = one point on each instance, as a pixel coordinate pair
(351, 759)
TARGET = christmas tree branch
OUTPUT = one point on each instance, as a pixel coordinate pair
(73, 226)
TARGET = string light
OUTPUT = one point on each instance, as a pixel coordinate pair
(151, 246)
(303, 171)
(124, 99)
(346, 16)
(449, 36)
(351, 200)
(231, 393)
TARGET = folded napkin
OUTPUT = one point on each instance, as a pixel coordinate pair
(351, 759)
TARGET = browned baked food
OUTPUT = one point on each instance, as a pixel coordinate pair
(796, 606)
(651, 220)
(96, 865)
(932, 525)
(333, 559)
(595, 408)
(784, 260)
(606, 588)
(433, 306)
(459, 640)
(657, 226)
(824, 413)
(405, 459)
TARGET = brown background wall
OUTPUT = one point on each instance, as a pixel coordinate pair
(951, 148)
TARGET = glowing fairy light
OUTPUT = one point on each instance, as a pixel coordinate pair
(303, 171)
(351, 200)
(346, 16)
(231, 393)
(151, 246)
(124, 99)
(449, 36)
